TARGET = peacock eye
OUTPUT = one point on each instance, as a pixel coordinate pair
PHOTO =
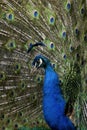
(38, 61)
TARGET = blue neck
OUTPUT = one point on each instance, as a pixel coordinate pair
(51, 80)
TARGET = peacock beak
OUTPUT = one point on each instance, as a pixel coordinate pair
(33, 69)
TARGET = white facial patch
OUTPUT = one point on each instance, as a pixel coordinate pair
(40, 62)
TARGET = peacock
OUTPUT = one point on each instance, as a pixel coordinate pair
(53, 101)
(34, 36)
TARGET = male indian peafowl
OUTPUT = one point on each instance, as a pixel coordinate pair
(53, 101)
(54, 29)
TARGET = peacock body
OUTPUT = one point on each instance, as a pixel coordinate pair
(60, 27)
(53, 101)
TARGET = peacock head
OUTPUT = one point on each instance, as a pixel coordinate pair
(41, 61)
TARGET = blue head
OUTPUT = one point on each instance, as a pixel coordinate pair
(41, 61)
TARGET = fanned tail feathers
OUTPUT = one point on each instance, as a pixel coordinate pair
(62, 27)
